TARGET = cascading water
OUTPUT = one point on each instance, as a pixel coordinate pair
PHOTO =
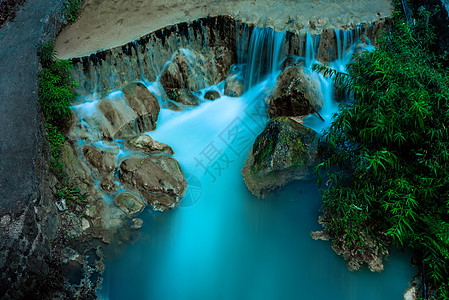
(264, 51)
(223, 243)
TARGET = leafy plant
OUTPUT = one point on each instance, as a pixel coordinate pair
(387, 160)
(56, 140)
(55, 86)
(72, 9)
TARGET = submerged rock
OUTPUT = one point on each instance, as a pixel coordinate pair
(129, 204)
(147, 144)
(284, 151)
(296, 93)
(159, 179)
(234, 84)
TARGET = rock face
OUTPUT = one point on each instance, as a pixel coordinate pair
(190, 71)
(284, 151)
(158, 179)
(296, 93)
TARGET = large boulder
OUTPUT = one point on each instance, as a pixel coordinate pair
(297, 93)
(158, 179)
(284, 151)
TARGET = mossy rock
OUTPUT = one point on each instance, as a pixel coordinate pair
(286, 150)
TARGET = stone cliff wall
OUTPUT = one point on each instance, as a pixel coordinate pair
(144, 59)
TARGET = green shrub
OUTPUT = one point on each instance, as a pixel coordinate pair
(55, 86)
(72, 9)
(387, 164)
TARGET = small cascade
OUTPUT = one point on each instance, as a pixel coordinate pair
(264, 54)
(310, 51)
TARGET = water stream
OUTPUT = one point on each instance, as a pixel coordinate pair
(222, 242)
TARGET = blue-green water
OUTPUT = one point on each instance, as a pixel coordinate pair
(223, 243)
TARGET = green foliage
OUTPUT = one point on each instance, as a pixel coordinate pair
(55, 86)
(387, 160)
(56, 140)
(67, 190)
(55, 96)
(72, 9)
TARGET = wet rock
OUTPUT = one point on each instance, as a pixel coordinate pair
(182, 96)
(171, 76)
(150, 146)
(234, 85)
(296, 93)
(284, 151)
(158, 179)
(292, 61)
(136, 112)
(102, 160)
(190, 71)
(212, 95)
(137, 223)
(129, 204)
(172, 106)
(108, 185)
(410, 293)
(328, 46)
(144, 104)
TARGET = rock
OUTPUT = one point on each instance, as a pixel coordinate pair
(144, 104)
(410, 293)
(108, 185)
(102, 160)
(158, 179)
(328, 46)
(212, 95)
(234, 85)
(171, 76)
(292, 61)
(137, 111)
(73, 166)
(189, 71)
(137, 223)
(284, 151)
(146, 143)
(129, 204)
(296, 93)
(182, 96)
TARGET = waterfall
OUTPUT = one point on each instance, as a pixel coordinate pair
(264, 54)
(310, 51)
